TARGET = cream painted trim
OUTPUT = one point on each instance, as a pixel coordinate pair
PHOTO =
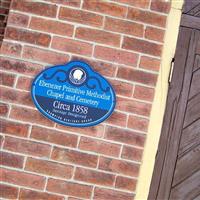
(159, 103)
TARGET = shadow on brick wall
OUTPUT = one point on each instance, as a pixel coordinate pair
(4, 10)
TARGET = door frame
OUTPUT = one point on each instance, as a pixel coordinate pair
(159, 104)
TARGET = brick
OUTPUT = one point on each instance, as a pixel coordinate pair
(74, 3)
(15, 96)
(160, 6)
(149, 63)
(51, 26)
(146, 17)
(26, 147)
(3, 17)
(72, 198)
(95, 177)
(126, 183)
(98, 146)
(7, 79)
(19, 66)
(98, 36)
(132, 153)
(30, 194)
(45, 56)
(142, 46)
(115, 55)
(1, 39)
(14, 128)
(123, 26)
(72, 46)
(38, 8)
(3, 20)
(3, 24)
(11, 160)
(138, 123)
(119, 166)
(4, 11)
(104, 194)
(2, 32)
(28, 36)
(2, 28)
(137, 76)
(136, 3)
(8, 192)
(24, 83)
(122, 88)
(95, 131)
(75, 157)
(133, 106)
(1, 140)
(80, 16)
(54, 136)
(105, 8)
(17, 19)
(143, 93)
(106, 69)
(124, 136)
(4, 108)
(22, 179)
(68, 188)
(117, 118)
(49, 168)
(5, 4)
(155, 34)
(11, 49)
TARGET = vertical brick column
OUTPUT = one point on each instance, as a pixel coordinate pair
(122, 40)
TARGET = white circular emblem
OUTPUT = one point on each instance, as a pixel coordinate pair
(77, 76)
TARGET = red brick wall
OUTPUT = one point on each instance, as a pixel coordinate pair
(121, 39)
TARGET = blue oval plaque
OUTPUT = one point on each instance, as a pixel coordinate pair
(73, 95)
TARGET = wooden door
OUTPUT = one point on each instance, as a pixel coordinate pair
(177, 168)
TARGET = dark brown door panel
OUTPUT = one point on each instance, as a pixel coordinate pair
(176, 173)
